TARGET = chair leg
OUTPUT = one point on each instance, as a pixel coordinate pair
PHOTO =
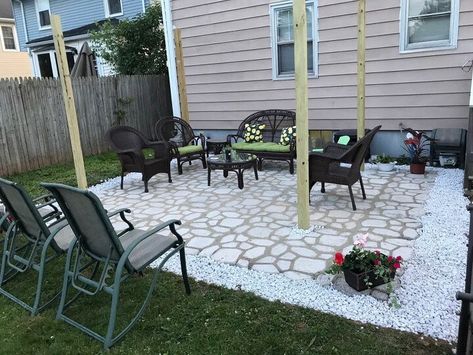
(39, 286)
(352, 198)
(322, 189)
(291, 166)
(146, 185)
(204, 161)
(179, 167)
(362, 188)
(169, 175)
(182, 255)
(311, 185)
(260, 164)
(121, 182)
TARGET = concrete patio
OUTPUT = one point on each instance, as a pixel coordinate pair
(254, 227)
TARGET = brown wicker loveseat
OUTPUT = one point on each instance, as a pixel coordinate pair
(269, 149)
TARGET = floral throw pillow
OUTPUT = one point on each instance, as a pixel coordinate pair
(253, 132)
(287, 135)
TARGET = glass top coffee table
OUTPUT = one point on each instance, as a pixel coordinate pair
(232, 161)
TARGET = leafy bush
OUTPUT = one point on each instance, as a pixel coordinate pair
(133, 46)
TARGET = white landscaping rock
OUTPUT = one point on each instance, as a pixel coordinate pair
(429, 282)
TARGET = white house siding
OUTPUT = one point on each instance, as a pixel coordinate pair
(227, 50)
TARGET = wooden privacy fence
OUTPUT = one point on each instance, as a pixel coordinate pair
(33, 126)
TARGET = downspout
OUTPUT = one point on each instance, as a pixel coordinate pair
(144, 5)
(171, 56)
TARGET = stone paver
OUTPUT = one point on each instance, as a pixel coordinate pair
(252, 227)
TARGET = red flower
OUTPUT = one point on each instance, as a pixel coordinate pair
(377, 252)
(377, 262)
(399, 258)
(338, 259)
(397, 265)
(390, 258)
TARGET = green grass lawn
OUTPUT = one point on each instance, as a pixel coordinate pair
(212, 320)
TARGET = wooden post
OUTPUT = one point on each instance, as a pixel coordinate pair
(181, 75)
(302, 113)
(68, 97)
(361, 69)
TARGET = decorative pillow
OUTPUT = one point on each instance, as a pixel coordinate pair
(253, 132)
(287, 135)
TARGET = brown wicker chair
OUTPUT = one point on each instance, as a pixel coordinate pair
(184, 144)
(129, 143)
(326, 167)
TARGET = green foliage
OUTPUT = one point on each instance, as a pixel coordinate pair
(133, 46)
(384, 159)
(120, 113)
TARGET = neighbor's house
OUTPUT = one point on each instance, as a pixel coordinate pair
(238, 58)
(78, 18)
(13, 62)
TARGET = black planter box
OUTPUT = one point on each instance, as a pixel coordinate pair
(357, 281)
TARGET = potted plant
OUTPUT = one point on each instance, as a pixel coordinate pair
(364, 268)
(416, 143)
(385, 163)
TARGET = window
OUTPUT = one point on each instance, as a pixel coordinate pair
(42, 8)
(283, 40)
(47, 63)
(113, 8)
(429, 24)
(8, 38)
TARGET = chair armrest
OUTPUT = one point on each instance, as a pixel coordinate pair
(131, 154)
(161, 148)
(200, 138)
(147, 234)
(335, 149)
(113, 213)
(122, 212)
(45, 197)
(49, 203)
(324, 156)
(235, 138)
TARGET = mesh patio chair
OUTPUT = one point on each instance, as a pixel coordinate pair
(129, 143)
(29, 242)
(125, 253)
(184, 144)
(340, 164)
(45, 205)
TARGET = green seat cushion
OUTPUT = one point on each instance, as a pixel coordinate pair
(189, 149)
(247, 146)
(261, 147)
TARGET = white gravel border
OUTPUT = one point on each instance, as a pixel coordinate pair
(428, 285)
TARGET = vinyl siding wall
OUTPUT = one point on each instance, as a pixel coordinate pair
(74, 13)
(227, 49)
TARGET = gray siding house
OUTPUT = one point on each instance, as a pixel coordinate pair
(238, 59)
(78, 17)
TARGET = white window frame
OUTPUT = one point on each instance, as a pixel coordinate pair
(274, 37)
(53, 63)
(37, 15)
(15, 38)
(107, 9)
(451, 43)
(52, 57)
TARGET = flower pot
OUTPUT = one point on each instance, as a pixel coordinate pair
(357, 280)
(417, 168)
(386, 166)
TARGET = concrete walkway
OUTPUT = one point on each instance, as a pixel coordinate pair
(253, 227)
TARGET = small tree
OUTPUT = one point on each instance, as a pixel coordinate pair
(133, 46)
